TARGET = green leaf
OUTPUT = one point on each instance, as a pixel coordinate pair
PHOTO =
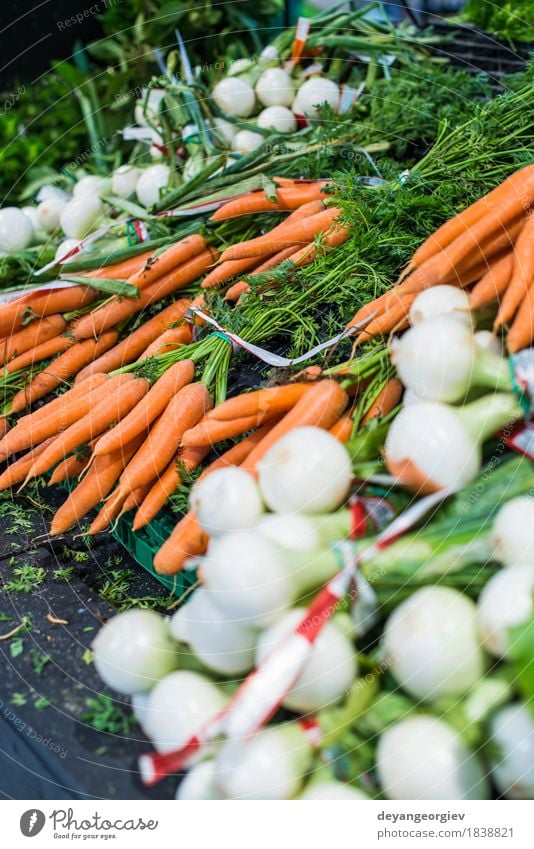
(269, 187)
(16, 647)
(104, 284)
(521, 654)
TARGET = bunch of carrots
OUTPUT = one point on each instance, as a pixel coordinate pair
(489, 247)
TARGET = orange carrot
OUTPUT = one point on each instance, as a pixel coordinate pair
(333, 239)
(321, 407)
(273, 400)
(287, 198)
(122, 393)
(109, 511)
(518, 185)
(186, 540)
(71, 466)
(38, 331)
(493, 283)
(210, 431)
(521, 333)
(168, 260)
(386, 401)
(154, 403)
(44, 351)
(4, 426)
(135, 343)
(187, 460)
(17, 471)
(169, 340)
(93, 488)
(239, 452)
(136, 498)
(522, 274)
(62, 368)
(182, 412)
(49, 302)
(294, 233)
(227, 270)
(342, 429)
(237, 289)
(120, 270)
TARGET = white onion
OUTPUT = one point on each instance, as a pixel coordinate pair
(66, 246)
(306, 471)
(235, 97)
(422, 757)
(152, 180)
(505, 601)
(439, 361)
(222, 644)
(269, 53)
(49, 213)
(154, 98)
(199, 783)
(487, 340)
(226, 500)
(328, 673)
(124, 180)
(511, 535)
(31, 213)
(91, 185)
(277, 118)
(512, 751)
(239, 66)
(409, 397)
(225, 130)
(16, 230)
(275, 88)
(81, 216)
(431, 644)
(289, 530)
(179, 705)
(330, 791)
(134, 650)
(52, 193)
(313, 93)
(270, 765)
(140, 708)
(245, 141)
(441, 300)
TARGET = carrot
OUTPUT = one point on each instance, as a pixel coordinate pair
(290, 197)
(239, 452)
(169, 340)
(4, 426)
(321, 407)
(333, 239)
(294, 233)
(396, 317)
(71, 466)
(121, 270)
(186, 540)
(44, 351)
(17, 471)
(273, 400)
(40, 330)
(51, 418)
(237, 289)
(517, 185)
(49, 302)
(493, 283)
(62, 368)
(122, 393)
(386, 401)
(187, 460)
(210, 431)
(136, 498)
(182, 412)
(135, 343)
(118, 309)
(168, 260)
(342, 429)
(227, 270)
(152, 405)
(522, 274)
(521, 333)
(93, 488)
(109, 511)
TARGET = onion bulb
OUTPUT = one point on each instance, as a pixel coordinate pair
(512, 751)
(225, 130)
(124, 180)
(221, 643)
(152, 106)
(280, 119)
(422, 757)
(275, 88)
(49, 213)
(487, 340)
(149, 185)
(16, 230)
(330, 791)
(306, 471)
(439, 360)
(245, 141)
(329, 671)
(240, 66)
(511, 534)
(140, 708)
(505, 601)
(133, 650)
(91, 185)
(431, 644)
(313, 93)
(226, 500)
(179, 705)
(235, 96)
(269, 53)
(199, 783)
(31, 213)
(431, 446)
(81, 215)
(441, 300)
(66, 246)
(270, 765)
